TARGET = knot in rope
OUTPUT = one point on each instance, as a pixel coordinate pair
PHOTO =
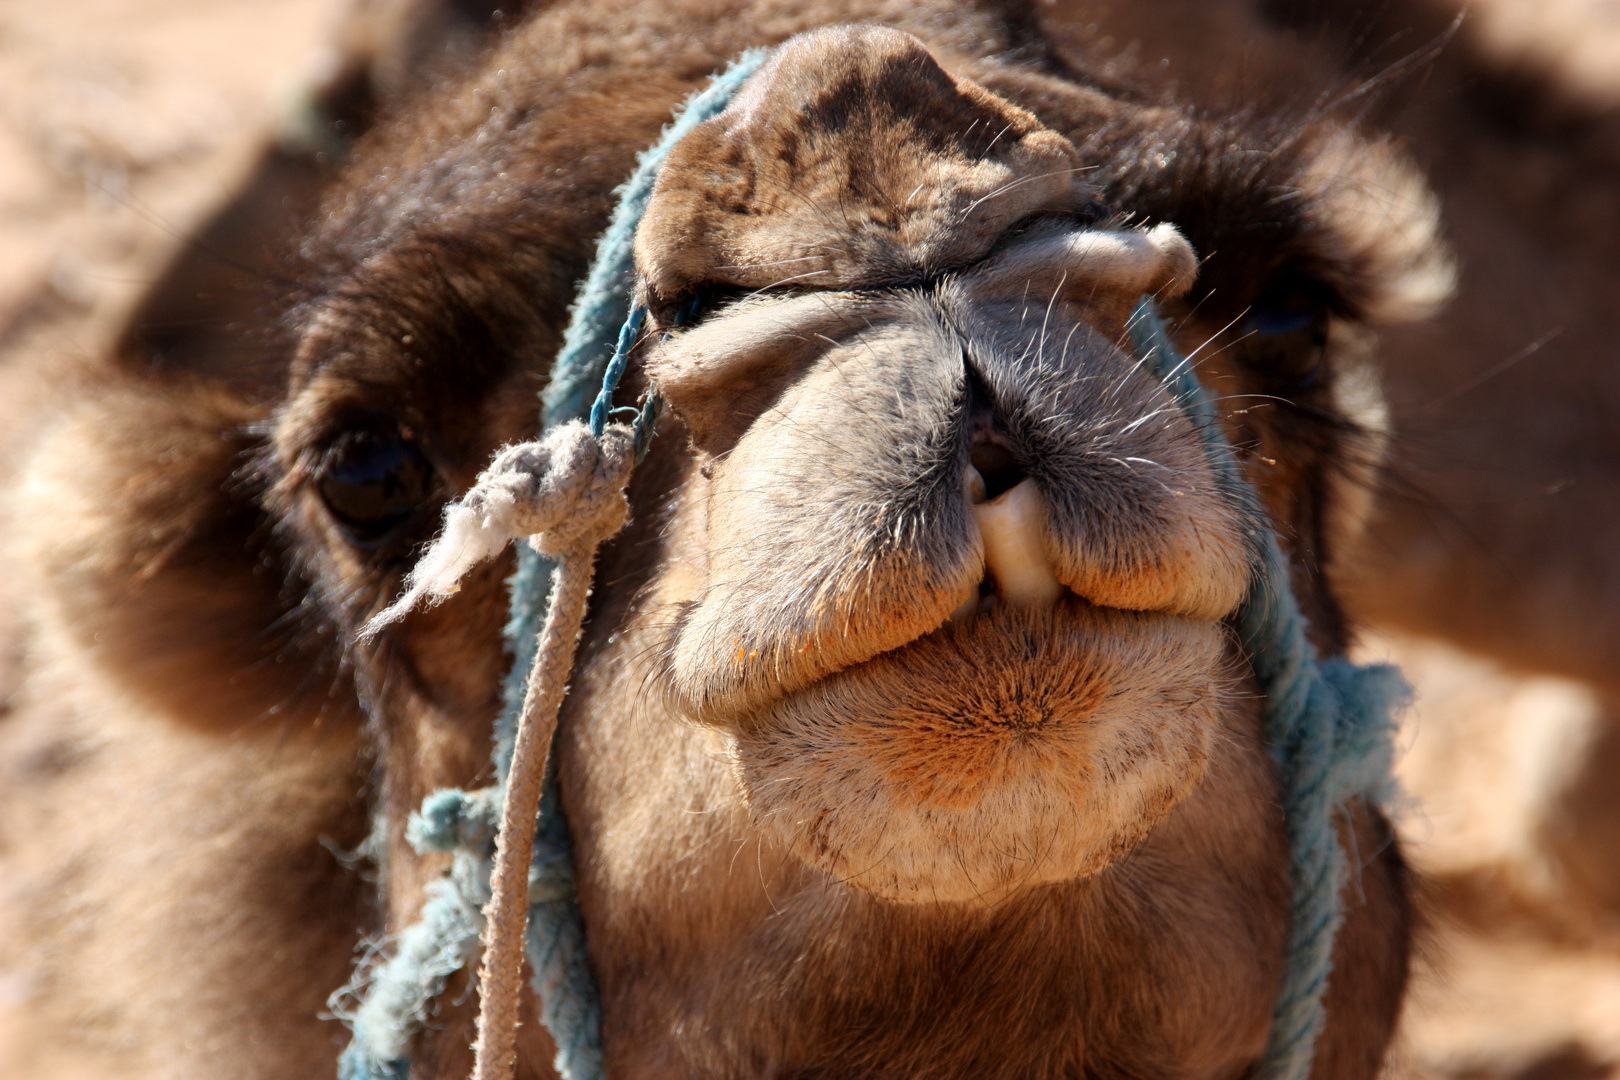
(465, 823)
(454, 820)
(564, 492)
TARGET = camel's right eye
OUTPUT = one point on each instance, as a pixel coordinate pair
(1286, 337)
(373, 481)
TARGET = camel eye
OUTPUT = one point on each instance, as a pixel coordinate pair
(1286, 340)
(373, 481)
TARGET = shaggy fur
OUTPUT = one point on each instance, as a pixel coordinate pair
(820, 832)
(1019, 749)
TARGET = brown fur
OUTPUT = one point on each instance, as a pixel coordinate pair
(769, 627)
(1497, 517)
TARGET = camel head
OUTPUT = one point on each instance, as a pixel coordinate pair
(952, 566)
(917, 644)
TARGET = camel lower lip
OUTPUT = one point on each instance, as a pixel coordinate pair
(1022, 747)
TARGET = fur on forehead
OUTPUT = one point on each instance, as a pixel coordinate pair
(851, 159)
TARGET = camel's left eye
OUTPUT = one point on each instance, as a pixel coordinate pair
(373, 481)
(1286, 339)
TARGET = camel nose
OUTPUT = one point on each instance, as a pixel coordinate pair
(1013, 526)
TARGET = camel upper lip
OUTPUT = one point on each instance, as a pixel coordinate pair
(1009, 565)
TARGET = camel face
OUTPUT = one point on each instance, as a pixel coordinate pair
(939, 689)
(958, 562)
(915, 647)
(952, 563)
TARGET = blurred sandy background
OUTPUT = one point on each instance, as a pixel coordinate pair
(124, 123)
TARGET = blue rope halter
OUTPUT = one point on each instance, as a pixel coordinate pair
(399, 993)
(1327, 722)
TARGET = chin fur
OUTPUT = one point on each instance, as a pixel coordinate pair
(1019, 749)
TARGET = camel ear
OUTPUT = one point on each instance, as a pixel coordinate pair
(154, 561)
(851, 159)
(1385, 228)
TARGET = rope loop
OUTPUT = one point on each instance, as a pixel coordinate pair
(567, 487)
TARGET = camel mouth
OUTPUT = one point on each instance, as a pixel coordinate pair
(1018, 747)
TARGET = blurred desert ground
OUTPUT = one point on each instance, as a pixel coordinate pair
(123, 124)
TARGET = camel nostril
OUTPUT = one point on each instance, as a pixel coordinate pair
(990, 450)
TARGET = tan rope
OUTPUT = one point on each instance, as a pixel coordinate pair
(566, 494)
(506, 917)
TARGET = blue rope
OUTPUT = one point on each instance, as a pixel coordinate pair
(1328, 724)
(400, 992)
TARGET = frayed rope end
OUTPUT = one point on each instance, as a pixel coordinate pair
(469, 537)
(566, 487)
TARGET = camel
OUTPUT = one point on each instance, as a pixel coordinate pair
(854, 790)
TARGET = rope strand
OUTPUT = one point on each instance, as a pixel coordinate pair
(506, 914)
(1328, 724)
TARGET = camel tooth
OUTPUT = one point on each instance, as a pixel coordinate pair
(973, 482)
(1013, 526)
